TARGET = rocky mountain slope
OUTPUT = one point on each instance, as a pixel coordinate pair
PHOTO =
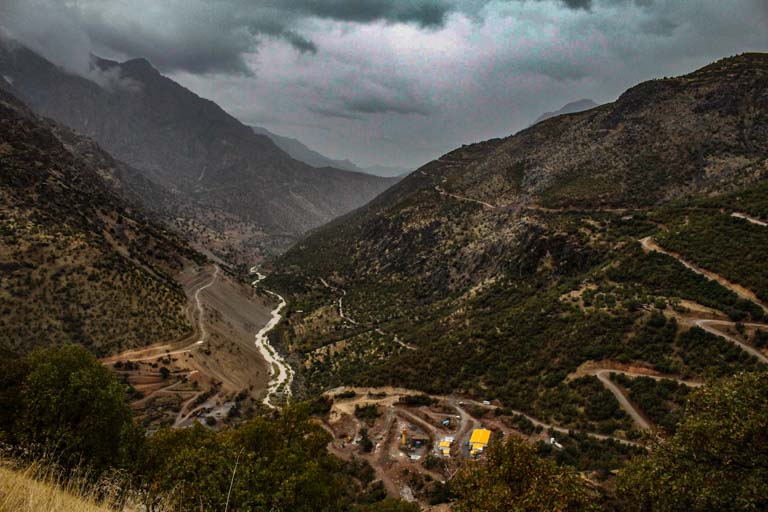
(568, 108)
(190, 146)
(79, 264)
(514, 267)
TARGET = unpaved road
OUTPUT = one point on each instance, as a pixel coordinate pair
(650, 245)
(707, 325)
(200, 324)
(749, 219)
(198, 336)
(440, 190)
(218, 356)
(604, 375)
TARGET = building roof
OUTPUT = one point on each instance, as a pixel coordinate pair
(480, 436)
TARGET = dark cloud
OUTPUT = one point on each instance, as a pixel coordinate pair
(659, 27)
(330, 112)
(378, 105)
(578, 4)
(425, 13)
(200, 36)
(203, 36)
(394, 81)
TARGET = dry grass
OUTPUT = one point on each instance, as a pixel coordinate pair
(21, 491)
(40, 487)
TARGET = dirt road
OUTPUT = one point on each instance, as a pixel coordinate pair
(749, 219)
(707, 325)
(650, 245)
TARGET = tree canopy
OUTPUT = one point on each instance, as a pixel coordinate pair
(512, 478)
(717, 460)
(68, 406)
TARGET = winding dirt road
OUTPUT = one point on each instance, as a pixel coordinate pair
(650, 245)
(199, 305)
(440, 190)
(708, 324)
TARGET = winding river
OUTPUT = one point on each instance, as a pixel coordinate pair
(281, 373)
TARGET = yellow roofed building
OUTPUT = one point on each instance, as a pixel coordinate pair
(444, 447)
(479, 440)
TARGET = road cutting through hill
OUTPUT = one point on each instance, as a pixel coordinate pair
(219, 357)
(189, 343)
(650, 245)
(707, 324)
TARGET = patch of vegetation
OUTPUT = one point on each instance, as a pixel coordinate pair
(586, 453)
(715, 461)
(663, 401)
(707, 239)
(367, 412)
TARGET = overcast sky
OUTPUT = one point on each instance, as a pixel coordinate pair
(394, 82)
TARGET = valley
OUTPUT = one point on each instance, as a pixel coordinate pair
(570, 309)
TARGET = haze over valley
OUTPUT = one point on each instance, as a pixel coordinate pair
(383, 256)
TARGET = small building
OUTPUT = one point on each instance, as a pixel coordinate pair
(444, 447)
(479, 440)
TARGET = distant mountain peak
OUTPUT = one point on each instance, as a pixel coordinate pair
(568, 108)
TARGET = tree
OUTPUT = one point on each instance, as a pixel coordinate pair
(74, 409)
(12, 373)
(717, 460)
(279, 463)
(514, 478)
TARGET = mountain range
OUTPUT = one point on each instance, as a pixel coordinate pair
(503, 267)
(241, 188)
(570, 284)
(299, 151)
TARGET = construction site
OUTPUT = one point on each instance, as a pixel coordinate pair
(414, 442)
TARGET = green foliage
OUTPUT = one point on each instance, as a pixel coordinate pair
(706, 238)
(712, 356)
(663, 401)
(587, 453)
(513, 478)
(388, 505)
(717, 460)
(64, 403)
(367, 412)
(653, 273)
(282, 464)
(417, 400)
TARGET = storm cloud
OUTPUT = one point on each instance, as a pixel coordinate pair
(395, 82)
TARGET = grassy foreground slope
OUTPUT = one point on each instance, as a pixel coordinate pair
(24, 491)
